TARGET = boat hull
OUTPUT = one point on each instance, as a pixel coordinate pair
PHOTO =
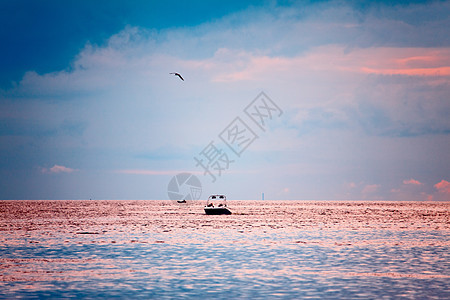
(217, 211)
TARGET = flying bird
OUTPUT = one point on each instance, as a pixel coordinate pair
(177, 74)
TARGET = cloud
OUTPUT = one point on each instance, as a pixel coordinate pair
(275, 37)
(57, 169)
(370, 189)
(412, 181)
(418, 191)
(433, 62)
(350, 185)
(442, 71)
(360, 191)
(411, 190)
(443, 188)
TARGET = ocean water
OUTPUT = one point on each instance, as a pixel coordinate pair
(264, 250)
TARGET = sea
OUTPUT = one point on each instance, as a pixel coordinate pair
(151, 249)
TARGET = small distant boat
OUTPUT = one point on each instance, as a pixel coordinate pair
(217, 205)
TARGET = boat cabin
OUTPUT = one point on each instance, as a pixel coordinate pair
(217, 205)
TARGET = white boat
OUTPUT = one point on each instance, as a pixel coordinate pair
(217, 205)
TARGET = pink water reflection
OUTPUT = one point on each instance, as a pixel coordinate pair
(160, 241)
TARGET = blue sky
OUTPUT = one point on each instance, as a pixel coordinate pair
(46, 35)
(88, 108)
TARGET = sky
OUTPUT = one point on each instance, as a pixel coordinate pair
(308, 100)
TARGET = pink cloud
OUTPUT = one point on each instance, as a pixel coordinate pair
(370, 188)
(412, 181)
(443, 71)
(380, 60)
(58, 169)
(415, 190)
(408, 61)
(410, 190)
(414, 60)
(350, 185)
(443, 187)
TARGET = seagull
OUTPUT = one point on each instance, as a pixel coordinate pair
(177, 74)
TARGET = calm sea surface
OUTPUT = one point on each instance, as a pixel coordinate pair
(265, 249)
